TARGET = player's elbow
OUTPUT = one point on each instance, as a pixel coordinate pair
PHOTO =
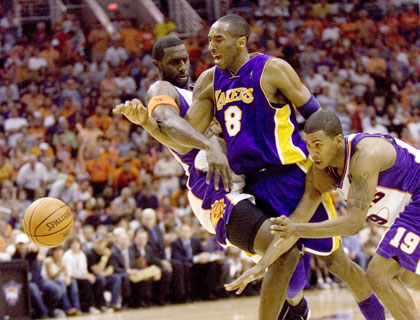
(167, 125)
(355, 226)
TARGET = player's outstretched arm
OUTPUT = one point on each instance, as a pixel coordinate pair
(163, 105)
(281, 76)
(136, 113)
(364, 168)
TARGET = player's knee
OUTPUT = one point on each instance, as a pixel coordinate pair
(287, 262)
(336, 263)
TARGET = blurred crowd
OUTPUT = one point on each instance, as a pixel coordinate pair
(134, 233)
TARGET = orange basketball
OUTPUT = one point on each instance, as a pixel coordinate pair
(48, 222)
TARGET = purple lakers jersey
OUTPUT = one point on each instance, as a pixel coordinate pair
(257, 134)
(397, 186)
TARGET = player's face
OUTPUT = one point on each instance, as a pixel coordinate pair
(322, 148)
(222, 45)
(175, 66)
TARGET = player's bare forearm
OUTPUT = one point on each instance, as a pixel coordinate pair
(152, 127)
(184, 134)
(276, 248)
(346, 225)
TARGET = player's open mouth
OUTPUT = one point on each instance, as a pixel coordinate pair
(317, 162)
(217, 58)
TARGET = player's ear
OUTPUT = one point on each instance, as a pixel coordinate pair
(339, 138)
(242, 41)
(157, 66)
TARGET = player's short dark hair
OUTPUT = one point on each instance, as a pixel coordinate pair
(238, 26)
(164, 43)
(323, 120)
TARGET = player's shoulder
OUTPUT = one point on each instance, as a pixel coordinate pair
(204, 85)
(368, 155)
(206, 76)
(371, 146)
(375, 151)
(276, 65)
(162, 87)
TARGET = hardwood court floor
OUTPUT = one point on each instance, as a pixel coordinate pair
(325, 305)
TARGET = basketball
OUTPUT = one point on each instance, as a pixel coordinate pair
(48, 222)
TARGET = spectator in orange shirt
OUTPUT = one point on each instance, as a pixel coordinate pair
(98, 39)
(36, 128)
(146, 38)
(130, 37)
(51, 54)
(110, 152)
(316, 25)
(99, 170)
(33, 99)
(68, 110)
(43, 150)
(367, 27)
(124, 175)
(89, 135)
(134, 158)
(376, 63)
(409, 20)
(101, 119)
(5, 169)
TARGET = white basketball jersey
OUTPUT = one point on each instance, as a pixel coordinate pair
(390, 199)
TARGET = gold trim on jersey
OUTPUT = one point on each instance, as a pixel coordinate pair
(332, 214)
(287, 151)
(284, 128)
(330, 209)
(305, 165)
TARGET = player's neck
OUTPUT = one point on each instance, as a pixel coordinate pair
(339, 158)
(242, 59)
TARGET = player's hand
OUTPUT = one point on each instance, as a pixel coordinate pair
(283, 227)
(256, 272)
(133, 110)
(219, 165)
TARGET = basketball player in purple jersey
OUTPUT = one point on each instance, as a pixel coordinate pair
(291, 88)
(379, 177)
(168, 101)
